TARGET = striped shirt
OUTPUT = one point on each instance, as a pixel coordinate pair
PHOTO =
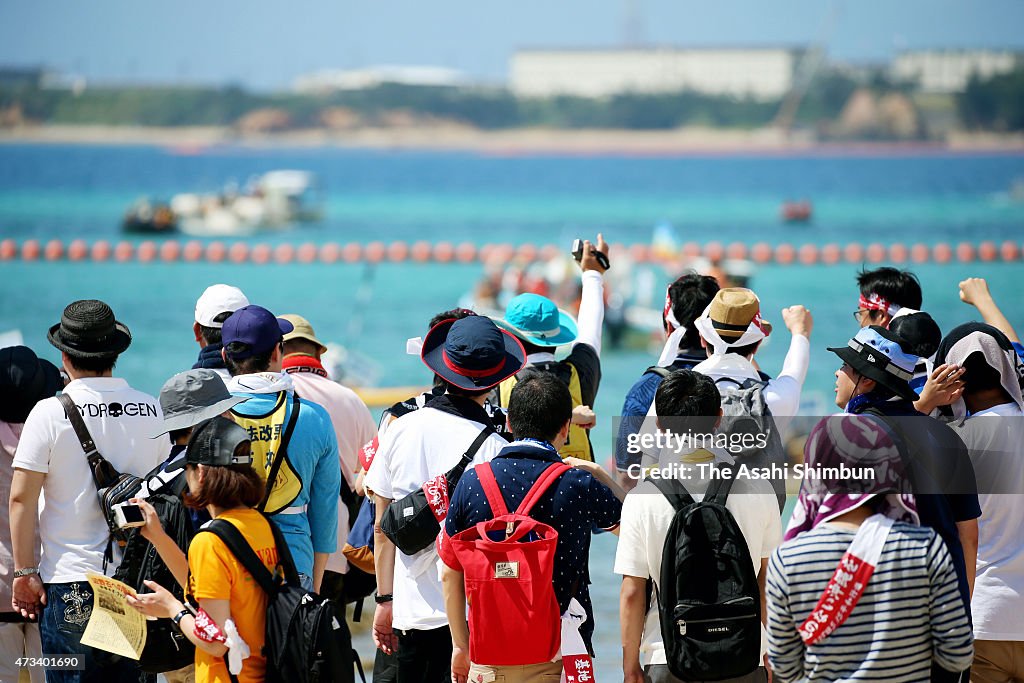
(910, 613)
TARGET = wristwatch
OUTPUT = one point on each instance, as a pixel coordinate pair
(27, 571)
(381, 599)
(176, 619)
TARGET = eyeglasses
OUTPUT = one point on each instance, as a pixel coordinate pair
(859, 314)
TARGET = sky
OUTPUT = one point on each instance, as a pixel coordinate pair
(265, 44)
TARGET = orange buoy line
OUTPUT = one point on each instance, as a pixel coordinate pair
(194, 251)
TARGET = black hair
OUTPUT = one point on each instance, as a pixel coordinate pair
(917, 334)
(686, 393)
(539, 406)
(746, 350)
(96, 366)
(256, 363)
(176, 434)
(690, 295)
(901, 287)
(212, 335)
(979, 375)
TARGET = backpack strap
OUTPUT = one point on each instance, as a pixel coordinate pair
(546, 479)
(718, 489)
(491, 489)
(243, 552)
(281, 453)
(674, 490)
(659, 370)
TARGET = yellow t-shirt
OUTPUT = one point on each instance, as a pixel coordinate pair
(215, 574)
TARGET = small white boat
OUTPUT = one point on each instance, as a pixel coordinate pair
(274, 201)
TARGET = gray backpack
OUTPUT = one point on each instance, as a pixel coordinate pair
(745, 411)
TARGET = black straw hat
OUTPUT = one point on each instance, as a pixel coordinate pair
(87, 329)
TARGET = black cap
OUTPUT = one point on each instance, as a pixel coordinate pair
(25, 379)
(215, 443)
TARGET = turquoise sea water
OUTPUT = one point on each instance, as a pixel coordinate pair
(70, 192)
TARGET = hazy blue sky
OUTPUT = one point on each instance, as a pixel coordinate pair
(266, 43)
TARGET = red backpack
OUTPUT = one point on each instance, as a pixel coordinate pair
(513, 613)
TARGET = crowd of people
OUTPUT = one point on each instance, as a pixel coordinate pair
(475, 503)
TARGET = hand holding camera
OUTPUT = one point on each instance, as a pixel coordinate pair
(589, 257)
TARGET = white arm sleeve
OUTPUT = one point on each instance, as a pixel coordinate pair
(591, 319)
(797, 359)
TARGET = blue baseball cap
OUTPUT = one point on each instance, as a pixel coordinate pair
(255, 327)
(536, 320)
(876, 354)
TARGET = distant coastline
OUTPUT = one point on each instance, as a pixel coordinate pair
(510, 142)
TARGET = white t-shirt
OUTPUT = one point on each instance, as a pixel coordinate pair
(647, 514)
(120, 420)
(413, 450)
(353, 425)
(995, 440)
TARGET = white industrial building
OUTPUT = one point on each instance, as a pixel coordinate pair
(760, 73)
(948, 71)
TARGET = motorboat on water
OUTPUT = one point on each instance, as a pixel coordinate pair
(272, 202)
(796, 212)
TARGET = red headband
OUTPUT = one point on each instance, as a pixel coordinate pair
(876, 302)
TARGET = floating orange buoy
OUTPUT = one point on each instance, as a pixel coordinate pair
(146, 251)
(785, 253)
(831, 253)
(965, 252)
(352, 252)
(284, 253)
(398, 251)
(853, 253)
(78, 250)
(808, 254)
(761, 252)
(306, 252)
(260, 253)
(736, 250)
(714, 251)
(54, 250)
(170, 251)
(920, 253)
(550, 251)
(236, 253)
(691, 250)
(1009, 251)
(8, 250)
(420, 251)
(465, 252)
(123, 252)
(898, 253)
(100, 251)
(443, 252)
(216, 251)
(942, 253)
(987, 251)
(192, 251)
(875, 253)
(526, 252)
(641, 253)
(375, 252)
(30, 250)
(329, 253)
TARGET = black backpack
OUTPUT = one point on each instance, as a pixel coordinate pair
(166, 648)
(307, 639)
(709, 600)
